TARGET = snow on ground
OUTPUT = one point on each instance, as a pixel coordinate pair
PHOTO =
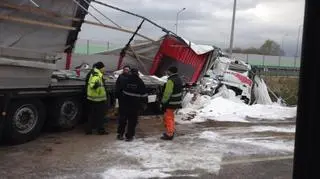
(287, 129)
(225, 106)
(158, 158)
(133, 173)
(268, 143)
(191, 153)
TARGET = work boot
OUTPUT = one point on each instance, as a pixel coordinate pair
(89, 133)
(120, 137)
(103, 132)
(166, 137)
(129, 139)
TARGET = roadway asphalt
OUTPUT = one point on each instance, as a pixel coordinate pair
(205, 150)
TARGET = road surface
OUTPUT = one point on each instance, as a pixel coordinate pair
(204, 150)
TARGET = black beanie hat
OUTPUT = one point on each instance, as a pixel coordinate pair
(173, 69)
(134, 71)
(126, 66)
(99, 65)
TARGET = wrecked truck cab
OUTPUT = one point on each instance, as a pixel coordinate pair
(234, 74)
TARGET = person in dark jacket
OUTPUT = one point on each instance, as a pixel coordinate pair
(171, 100)
(134, 98)
(121, 80)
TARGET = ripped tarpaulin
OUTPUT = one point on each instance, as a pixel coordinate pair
(18, 35)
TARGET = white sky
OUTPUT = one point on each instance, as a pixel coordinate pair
(207, 21)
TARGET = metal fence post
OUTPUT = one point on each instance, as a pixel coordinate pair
(247, 58)
(295, 61)
(88, 46)
(263, 59)
(108, 46)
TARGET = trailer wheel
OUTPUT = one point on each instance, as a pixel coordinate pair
(65, 113)
(24, 121)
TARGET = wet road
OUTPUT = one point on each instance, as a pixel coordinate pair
(205, 150)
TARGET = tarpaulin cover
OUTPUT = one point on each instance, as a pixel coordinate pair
(36, 38)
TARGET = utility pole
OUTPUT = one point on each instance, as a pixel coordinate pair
(297, 48)
(232, 26)
(282, 48)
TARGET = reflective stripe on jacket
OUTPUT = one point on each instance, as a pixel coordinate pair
(96, 90)
(135, 94)
(172, 96)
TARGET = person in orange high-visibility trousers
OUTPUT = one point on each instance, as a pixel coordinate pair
(171, 100)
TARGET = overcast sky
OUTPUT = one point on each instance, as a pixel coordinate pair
(206, 21)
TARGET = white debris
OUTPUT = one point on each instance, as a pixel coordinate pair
(198, 49)
(225, 106)
(159, 79)
(164, 78)
(261, 92)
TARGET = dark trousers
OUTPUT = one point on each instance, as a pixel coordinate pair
(96, 115)
(129, 119)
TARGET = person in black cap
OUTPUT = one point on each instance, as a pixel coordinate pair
(120, 84)
(97, 99)
(134, 98)
(121, 80)
(171, 100)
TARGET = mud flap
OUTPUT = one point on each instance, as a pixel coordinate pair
(3, 112)
(2, 118)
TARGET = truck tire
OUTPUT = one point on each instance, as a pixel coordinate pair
(24, 121)
(65, 113)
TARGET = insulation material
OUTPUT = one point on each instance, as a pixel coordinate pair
(261, 92)
(199, 49)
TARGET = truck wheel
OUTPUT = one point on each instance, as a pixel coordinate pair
(24, 121)
(65, 113)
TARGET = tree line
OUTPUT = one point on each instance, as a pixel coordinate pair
(269, 47)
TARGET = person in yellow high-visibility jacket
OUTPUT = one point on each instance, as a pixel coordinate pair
(97, 99)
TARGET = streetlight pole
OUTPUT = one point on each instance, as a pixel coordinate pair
(178, 19)
(282, 47)
(297, 48)
(232, 26)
